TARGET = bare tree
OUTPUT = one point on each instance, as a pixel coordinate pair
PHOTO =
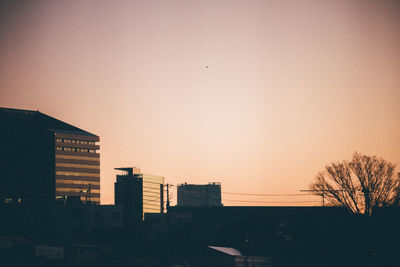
(359, 185)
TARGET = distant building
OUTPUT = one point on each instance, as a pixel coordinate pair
(138, 193)
(43, 159)
(199, 195)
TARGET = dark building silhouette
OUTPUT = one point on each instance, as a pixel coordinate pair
(43, 159)
(199, 195)
(79, 223)
(138, 193)
(292, 236)
(129, 194)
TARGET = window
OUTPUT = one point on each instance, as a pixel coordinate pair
(77, 157)
(82, 192)
(81, 166)
(65, 181)
(78, 174)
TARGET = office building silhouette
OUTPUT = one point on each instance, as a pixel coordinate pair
(44, 159)
(138, 193)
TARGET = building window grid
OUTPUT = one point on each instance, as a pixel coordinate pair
(75, 165)
(151, 210)
(75, 149)
(147, 209)
(151, 190)
(67, 173)
(78, 190)
(153, 186)
(92, 198)
(77, 157)
(75, 141)
(63, 181)
(148, 194)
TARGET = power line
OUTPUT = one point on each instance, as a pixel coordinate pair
(266, 195)
(322, 193)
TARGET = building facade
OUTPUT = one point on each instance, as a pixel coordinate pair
(44, 159)
(138, 193)
(199, 195)
(153, 200)
(77, 166)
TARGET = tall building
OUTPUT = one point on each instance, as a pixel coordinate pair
(138, 193)
(44, 159)
(199, 195)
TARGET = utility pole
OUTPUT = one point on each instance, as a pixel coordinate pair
(322, 193)
(162, 198)
(167, 186)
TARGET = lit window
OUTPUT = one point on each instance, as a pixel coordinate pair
(82, 192)
(77, 174)
(77, 157)
(75, 165)
(64, 181)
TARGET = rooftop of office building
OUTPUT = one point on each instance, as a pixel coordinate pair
(44, 121)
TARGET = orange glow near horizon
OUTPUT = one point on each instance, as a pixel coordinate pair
(258, 95)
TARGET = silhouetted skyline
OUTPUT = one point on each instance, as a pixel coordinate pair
(258, 95)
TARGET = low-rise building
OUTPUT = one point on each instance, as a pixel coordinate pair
(199, 195)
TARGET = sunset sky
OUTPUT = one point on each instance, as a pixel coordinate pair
(258, 95)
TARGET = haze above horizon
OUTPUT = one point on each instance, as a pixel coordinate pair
(258, 95)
